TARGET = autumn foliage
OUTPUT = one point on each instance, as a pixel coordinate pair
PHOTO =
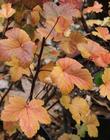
(53, 54)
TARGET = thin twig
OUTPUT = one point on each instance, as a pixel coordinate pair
(3, 97)
(53, 105)
(37, 70)
(53, 28)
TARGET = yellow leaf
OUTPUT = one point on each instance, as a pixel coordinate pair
(17, 71)
(105, 88)
(92, 123)
(45, 71)
(65, 101)
(79, 109)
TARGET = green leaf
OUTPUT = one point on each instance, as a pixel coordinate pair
(98, 78)
(81, 130)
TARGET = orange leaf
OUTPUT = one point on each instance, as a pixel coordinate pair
(68, 72)
(95, 8)
(89, 50)
(17, 45)
(29, 115)
(6, 10)
(102, 32)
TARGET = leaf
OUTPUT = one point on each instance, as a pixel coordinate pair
(62, 24)
(16, 71)
(69, 44)
(81, 130)
(89, 50)
(79, 108)
(17, 45)
(67, 73)
(92, 123)
(102, 32)
(67, 136)
(92, 22)
(10, 127)
(51, 10)
(105, 88)
(98, 78)
(35, 15)
(75, 3)
(95, 8)
(44, 74)
(6, 10)
(29, 115)
(65, 101)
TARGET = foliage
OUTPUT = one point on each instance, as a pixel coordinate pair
(49, 43)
